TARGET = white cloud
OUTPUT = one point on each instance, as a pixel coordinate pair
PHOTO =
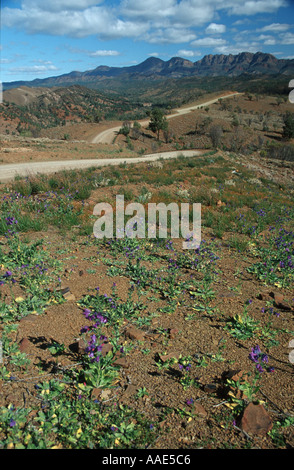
(103, 53)
(162, 21)
(253, 7)
(59, 5)
(208, 41)
(169, 36)
(276, 27)
(34, 69)
(154, 54)
(286, 38)
(188, 53)
(91, 21)
(267, 40)
(237, 48)
(214, 28)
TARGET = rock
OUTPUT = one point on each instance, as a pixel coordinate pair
(255, 420)
(80, 345)
(95, 394)
(265, 296)
(237, 376)
(220, 203)
(173, 333)
(65, 291)
(167, 357)
(121, 362)
(210, 388)
(281, 303)
(134, 333)
(24, 344)
(105, 394)
(130, 390)
(199, 410)
(28, 318)
(106, 348)
(69, 296)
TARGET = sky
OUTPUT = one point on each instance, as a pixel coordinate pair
(45, 38)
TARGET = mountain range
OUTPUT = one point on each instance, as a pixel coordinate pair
(154, 68)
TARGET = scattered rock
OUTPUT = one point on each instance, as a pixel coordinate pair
(167, 357)
(80, 345)
(134, 333)
(210, 388)
(220, 203)
(281, 303)
(255, 420)
(237, 376)
(28, 318)
(173, 333)
(24, 344)
(200, 410)
(130, 390)
(105, 394)
(106, 348)
(265, 296)
(69, 296)
(95, 394)
(121, 362)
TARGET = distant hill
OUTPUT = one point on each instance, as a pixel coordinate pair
(154, 68)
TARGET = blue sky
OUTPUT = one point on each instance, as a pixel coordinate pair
(43, 38)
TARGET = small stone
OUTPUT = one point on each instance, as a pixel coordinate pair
(121, 362)
(199, 410)
(255, 420)
(135, 334)
(81, 344)
(28, 318)
(106, 348)
(210, 388)
(24, 344)
(167, 357)
(173, 333)
(265, 296)
(281, 303)
(95, 394)
(130, 390)
(105, 394)
(65, 290)
(69, 296)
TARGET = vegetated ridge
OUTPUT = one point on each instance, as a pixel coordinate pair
(210, 65)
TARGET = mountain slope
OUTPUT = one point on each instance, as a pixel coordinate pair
(210, 65)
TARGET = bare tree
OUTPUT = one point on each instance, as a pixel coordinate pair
(216, 133)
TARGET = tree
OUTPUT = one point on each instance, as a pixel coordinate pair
(288, 129)
(125, 129)
(136, 130)
(216, 134)
(158, 121)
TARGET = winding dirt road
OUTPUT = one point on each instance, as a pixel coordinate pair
(106, 137)
(10, 171)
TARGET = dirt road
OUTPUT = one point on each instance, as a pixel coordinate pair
(9, 172)
(106, 137)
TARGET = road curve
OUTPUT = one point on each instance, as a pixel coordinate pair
(107, 136)
(9, 171)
